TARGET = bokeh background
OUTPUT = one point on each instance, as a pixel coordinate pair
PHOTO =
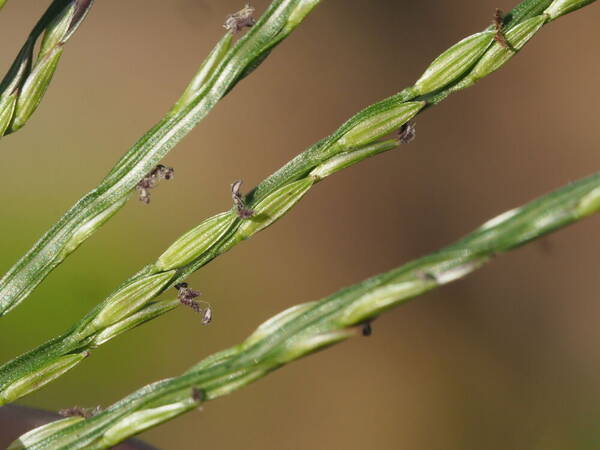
(506, 359)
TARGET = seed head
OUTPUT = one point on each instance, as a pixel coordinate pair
(454, 63)
(236, 22)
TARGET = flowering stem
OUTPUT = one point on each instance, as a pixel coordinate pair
(134, 302)
(224, 68)
(306, 328)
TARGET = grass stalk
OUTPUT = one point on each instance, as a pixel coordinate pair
(306, 328)
(134, 302)
(224, 68)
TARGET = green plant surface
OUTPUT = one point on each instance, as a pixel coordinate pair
(223, 69)
(133, 303)
(457, 68)
(27, 80)
(308, 327)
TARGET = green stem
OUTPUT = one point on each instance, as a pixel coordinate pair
(309, 327)
(224, 68)
(134, 302)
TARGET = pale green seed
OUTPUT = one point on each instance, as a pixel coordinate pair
(454, 62)
(7, 108)
(139, 421)
(195, 242)
(269, 327)
(55, 32)
(589, 204)
(128, 300)
(88, 228)
(148, 313)
(303, 345)
(497, 55)
(383, 298)
(40, 377)
(207, 68)
(40, 433)
(347, 159)
(20, 69)
(561, 7)
(273, 206)
(372, 128)
(34, 88)
(234, 381)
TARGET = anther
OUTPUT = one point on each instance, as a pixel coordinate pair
(207, 316)
(236, 22)
(367, 330)
(238, 202)
(86, 413)
(500, 38)
(197, 394)
(186, 297)
(150, 181)
(407, 132)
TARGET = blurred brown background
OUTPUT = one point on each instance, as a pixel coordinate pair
(506, 359)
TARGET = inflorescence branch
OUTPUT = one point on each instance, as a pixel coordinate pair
(306, 328)
(135, 301)
(227, 64)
